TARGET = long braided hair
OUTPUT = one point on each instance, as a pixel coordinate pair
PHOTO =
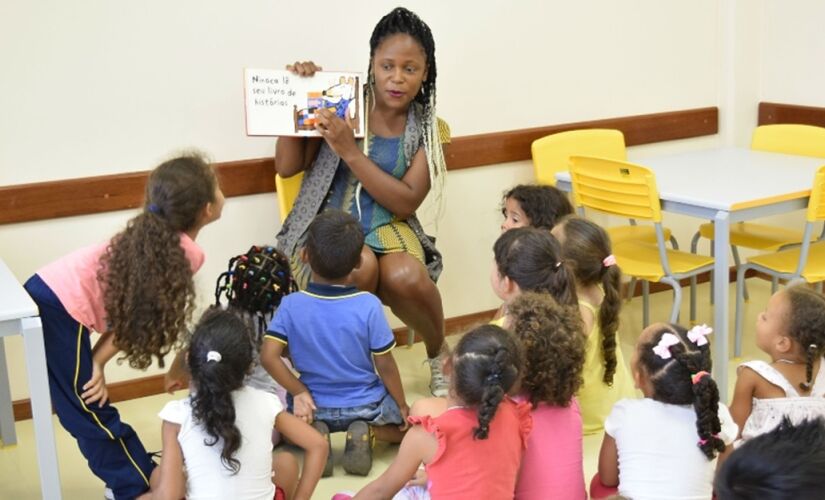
(682, 377)
(401, 20)
(486, 363)
(806, 325)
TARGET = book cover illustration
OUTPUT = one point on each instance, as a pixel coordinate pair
(279, 103)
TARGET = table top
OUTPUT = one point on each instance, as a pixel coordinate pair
(15, 302)
(730, 178)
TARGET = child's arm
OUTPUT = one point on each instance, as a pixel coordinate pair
(742, 404)
(177, 377)
(609, 462)
(171, 483)
(388, 371)
(95, 389)
(315, 451)
(418, 445)
(303, 404)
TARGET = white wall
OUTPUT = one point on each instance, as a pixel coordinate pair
(100, 87)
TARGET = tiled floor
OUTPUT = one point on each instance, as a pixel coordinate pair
(18, 466)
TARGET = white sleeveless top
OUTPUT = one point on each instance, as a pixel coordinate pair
(767, 414)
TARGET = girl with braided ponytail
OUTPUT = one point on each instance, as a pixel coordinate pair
(470, 443)
(137, 291)
(220, 434)
(791, 331)
(586, 248)
(665, 445)
(381, 180)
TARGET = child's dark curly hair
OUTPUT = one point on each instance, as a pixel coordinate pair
(543, 205)
(553, 347)
(806, 325)
(146, 278)
(585, 246)
(684, 378)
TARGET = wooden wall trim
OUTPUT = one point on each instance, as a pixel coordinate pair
(772, 112)
(107, 193)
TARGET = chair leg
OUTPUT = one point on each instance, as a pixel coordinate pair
(693, 299)
(740, 303)
(819, 287)
(694, 242)
(674, 243)
(737, 262)
(410, 337)
(646, 303)
(774, 284)
(631, 289)
(712, 254)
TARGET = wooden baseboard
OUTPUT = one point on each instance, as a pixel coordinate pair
(150, 386)
(772, 112)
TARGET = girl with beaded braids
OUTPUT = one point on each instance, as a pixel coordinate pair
(586, 248)
(381, 180)
(791, 331)
(136, 290)
(665, 445)
(470, 443)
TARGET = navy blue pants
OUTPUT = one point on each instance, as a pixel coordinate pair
(111, 447)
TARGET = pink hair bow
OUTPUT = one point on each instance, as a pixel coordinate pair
(698, 333)
(662, 349)
(610, 260)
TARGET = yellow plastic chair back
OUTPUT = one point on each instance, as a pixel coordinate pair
(803, 140)
(551, 154)
(816, 203)
(615, 187)
(287, 190)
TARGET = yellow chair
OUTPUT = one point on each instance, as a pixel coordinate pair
(287, 190)
(551, 155)
(803, 263)
(803, 140)
(627, 190)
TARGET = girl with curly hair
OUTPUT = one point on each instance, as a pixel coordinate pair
(554, 354)
(220, 434)
(137, 291)
(586, 248)
(532, 205)
(665, 445)
(791, 331)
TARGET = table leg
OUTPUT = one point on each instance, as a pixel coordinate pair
(41, 402)
(721, 285)
(7, 433)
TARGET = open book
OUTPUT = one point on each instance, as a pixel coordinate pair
(280, 103)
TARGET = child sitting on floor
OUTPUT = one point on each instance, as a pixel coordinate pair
(533, 205)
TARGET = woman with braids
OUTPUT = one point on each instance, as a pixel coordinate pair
(553, 357)
(665, 445)
(585, 246)
(135, 290)
(381, 180)
(220, 434)
(791, 331)
(470, 443)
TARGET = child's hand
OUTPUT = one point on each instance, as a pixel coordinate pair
(95, 389)
(337, 132)
(304, 407)
(305, 68)
(405, 412)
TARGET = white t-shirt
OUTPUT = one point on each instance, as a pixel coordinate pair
(659, 458)
(207, 477)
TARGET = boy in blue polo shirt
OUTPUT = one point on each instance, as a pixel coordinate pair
(338, 338)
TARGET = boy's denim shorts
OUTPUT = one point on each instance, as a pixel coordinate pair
(384, 412)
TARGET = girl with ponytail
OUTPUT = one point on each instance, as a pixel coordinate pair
(586, 248)
(665, 445)
(137, 291)
(220, 434)
(791, 331)
(472, 442)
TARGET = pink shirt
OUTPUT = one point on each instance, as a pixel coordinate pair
(468, 468)
(73, 278)
(552, 464)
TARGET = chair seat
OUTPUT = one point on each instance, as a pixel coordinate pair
(646, 234)
(756, 236)
(786, 261)
(641, 260)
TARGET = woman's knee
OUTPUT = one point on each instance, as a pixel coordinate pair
(402, 274)
(365, 276)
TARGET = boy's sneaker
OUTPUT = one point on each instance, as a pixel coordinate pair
(358, 450)
(324, 431)
(439, 384)
(108, 494)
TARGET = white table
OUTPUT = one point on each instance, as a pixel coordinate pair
(727, 185)
(18, 316)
